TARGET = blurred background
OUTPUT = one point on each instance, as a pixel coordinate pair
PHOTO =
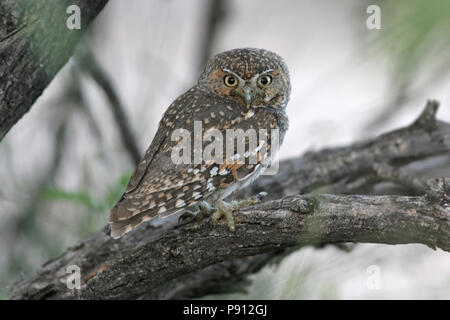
(64, 165)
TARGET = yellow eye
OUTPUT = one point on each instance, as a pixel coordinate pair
(230, 81)
(265, 80)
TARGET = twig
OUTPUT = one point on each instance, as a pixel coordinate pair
(216, 14)
(386, 172)
(91, 66)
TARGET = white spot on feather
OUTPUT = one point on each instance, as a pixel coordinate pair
(162, 209)
(180, 203)
(210, 186)
(196, 195)
(213, 171)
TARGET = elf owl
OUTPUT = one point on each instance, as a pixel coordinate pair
(245, 89)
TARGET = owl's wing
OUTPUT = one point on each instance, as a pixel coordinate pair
(172, 191)
(142, 167)
(159, 201)
(156, 174)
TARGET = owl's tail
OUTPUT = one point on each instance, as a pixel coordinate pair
(120, 225)
(126, 216)
(119, 228)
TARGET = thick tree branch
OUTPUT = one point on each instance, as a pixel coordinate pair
(334, 168)
(34, 44)
(196, 258)
(265, 228)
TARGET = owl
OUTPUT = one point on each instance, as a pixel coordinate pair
(241, 90)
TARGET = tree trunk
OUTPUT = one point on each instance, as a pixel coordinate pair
(35, 43)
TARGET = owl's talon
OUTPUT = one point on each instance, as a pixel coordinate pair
(186, 216)
(224, 210)
(205, 210)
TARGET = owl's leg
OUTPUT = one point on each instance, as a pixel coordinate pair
(223, 210)
(220, 209)
(187, 215)
(204, 209)
(226, 210)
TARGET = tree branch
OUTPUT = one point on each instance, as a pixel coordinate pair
(34, 44)
(196, 258)
(216, 13)
(92, 67)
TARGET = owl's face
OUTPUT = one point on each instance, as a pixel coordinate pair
(252, 77)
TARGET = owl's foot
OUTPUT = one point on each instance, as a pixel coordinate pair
(186, 216)
(226, 210)
(204, 209)
(218, 210)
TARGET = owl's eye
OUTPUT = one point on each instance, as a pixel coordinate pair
(230, 81)
(265, 80)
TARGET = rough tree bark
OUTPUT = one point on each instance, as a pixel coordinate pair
(34, 44)
(195, 258)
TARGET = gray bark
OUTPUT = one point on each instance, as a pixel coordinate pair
(195, 258)
(34, 44)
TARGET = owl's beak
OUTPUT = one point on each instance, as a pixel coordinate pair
(248, 96)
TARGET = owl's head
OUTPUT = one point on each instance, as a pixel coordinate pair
(253, 77)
